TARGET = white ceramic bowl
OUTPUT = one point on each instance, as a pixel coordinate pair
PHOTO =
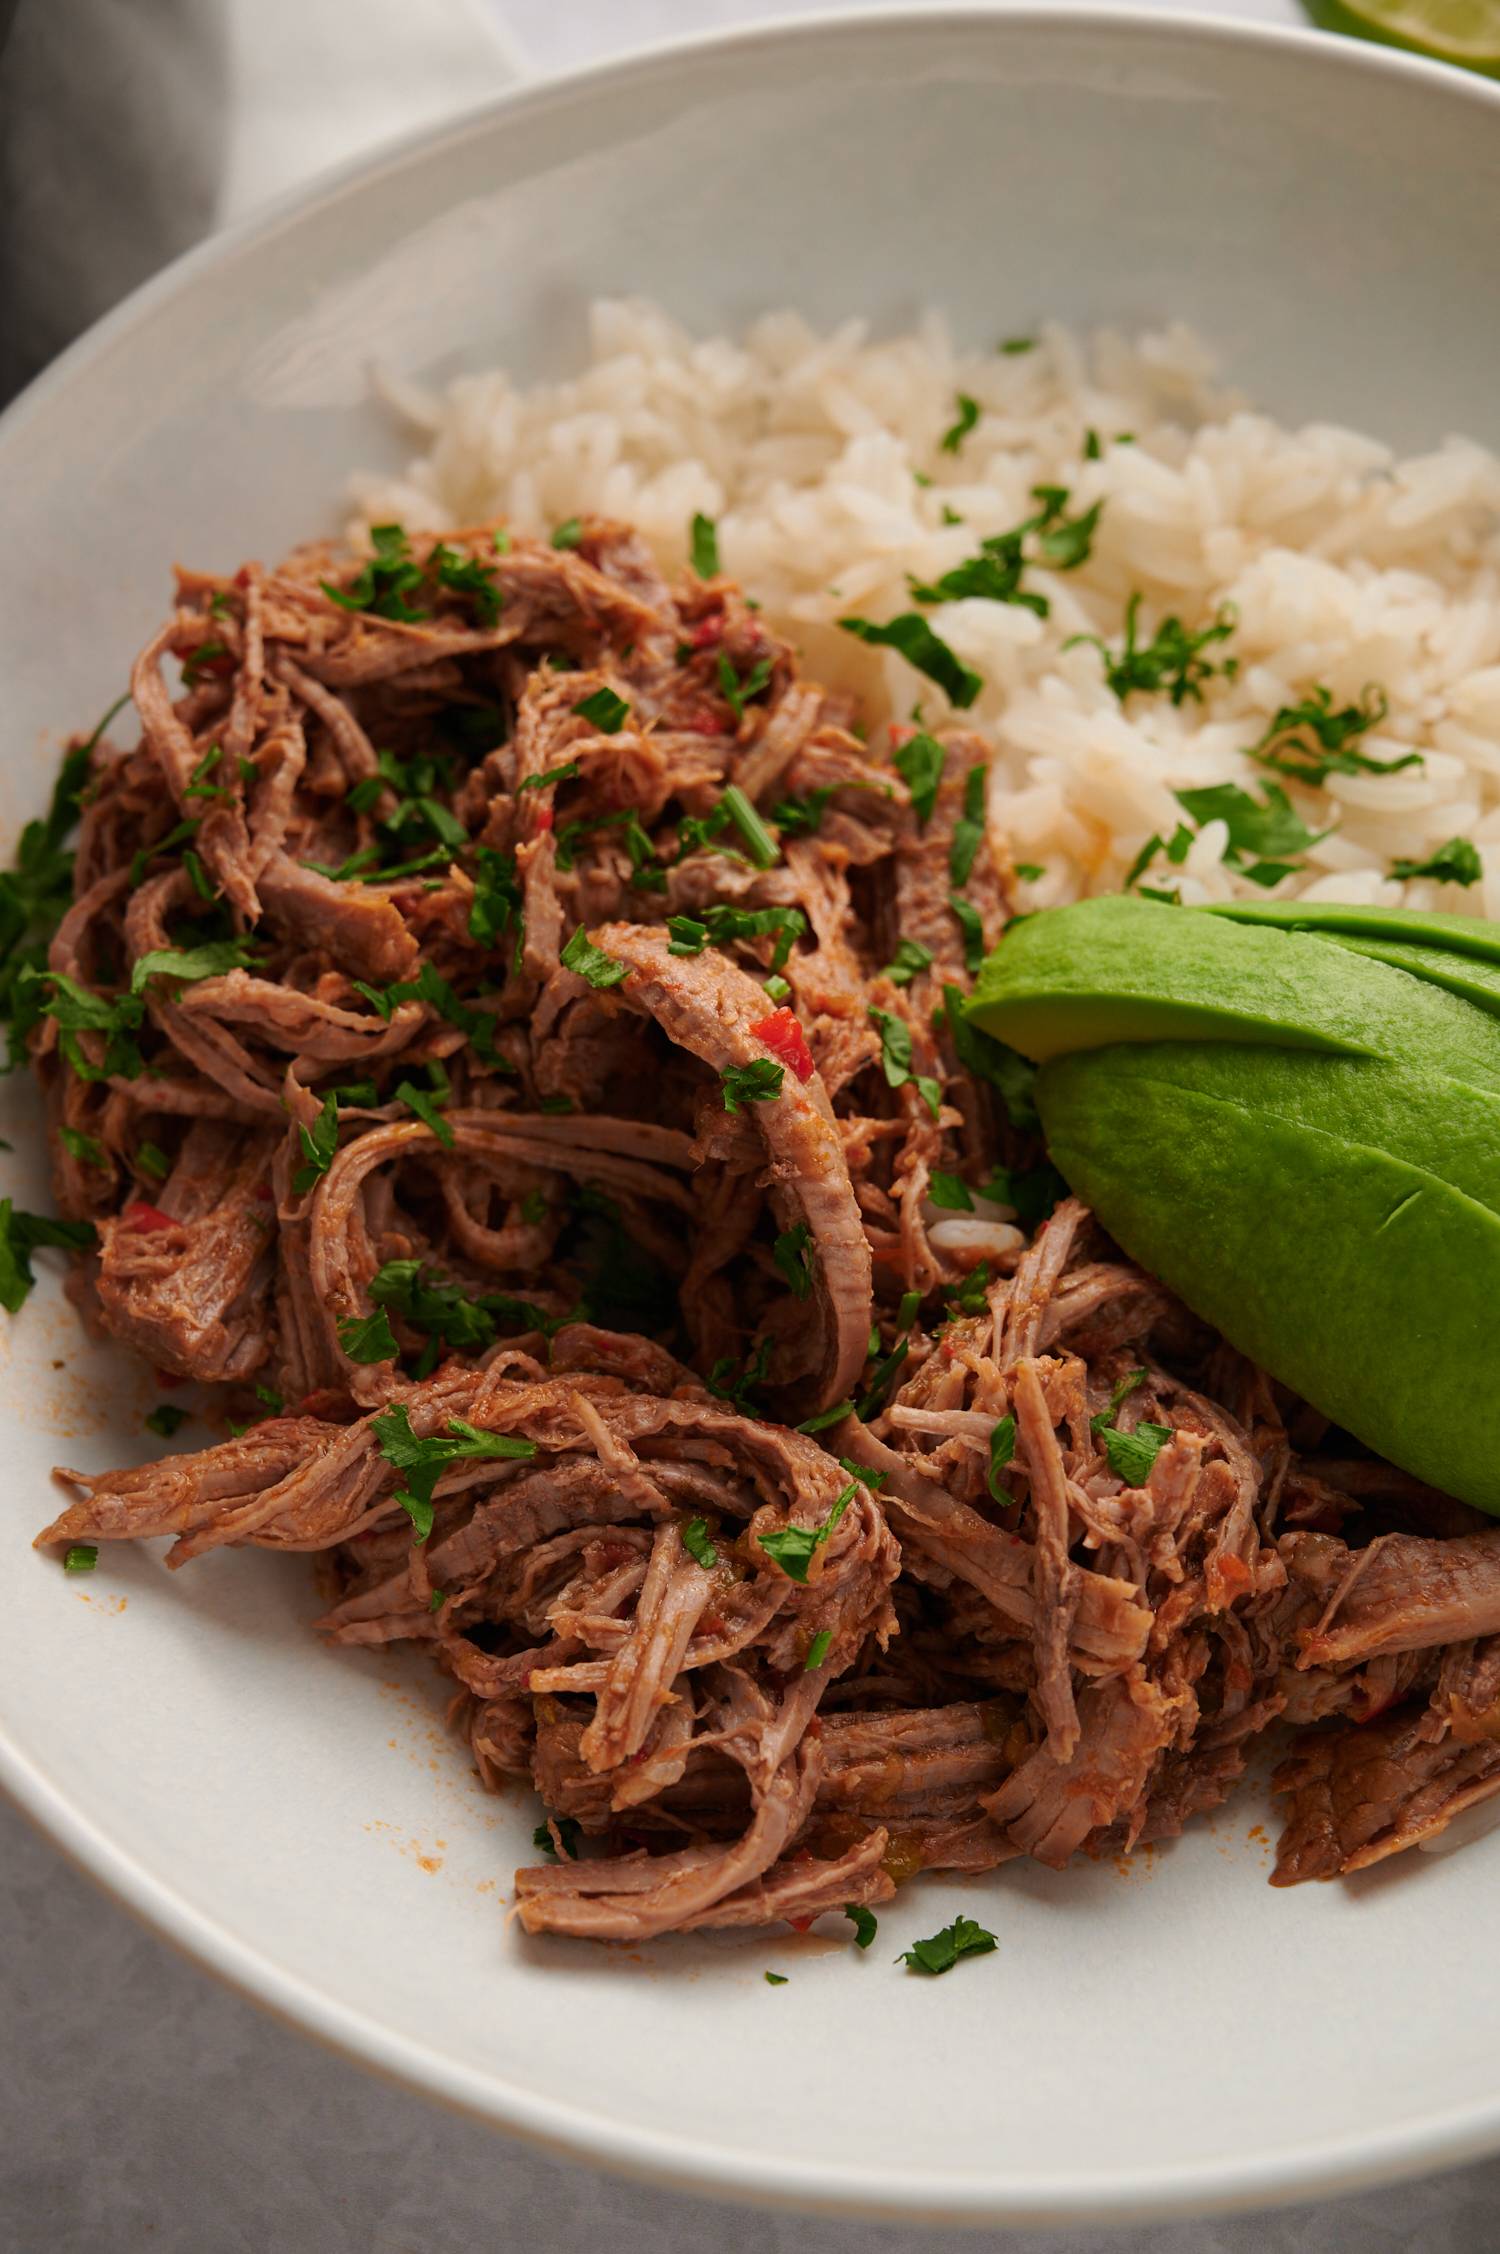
(1174, 2037)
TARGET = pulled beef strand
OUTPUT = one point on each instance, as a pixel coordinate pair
(452, 1103)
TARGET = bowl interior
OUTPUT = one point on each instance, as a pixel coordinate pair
(1325, 218)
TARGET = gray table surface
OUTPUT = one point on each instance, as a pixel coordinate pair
(146, 2107)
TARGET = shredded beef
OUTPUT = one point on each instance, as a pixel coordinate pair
(572, 1084)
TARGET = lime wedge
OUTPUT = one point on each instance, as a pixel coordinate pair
(1465, 32)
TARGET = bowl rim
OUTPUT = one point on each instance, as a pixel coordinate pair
(1323, 2167)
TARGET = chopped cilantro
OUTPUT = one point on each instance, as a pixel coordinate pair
(865, 1924)
(20, 1235)
(971, 931)
(895, 1059)
(1172, 660)
(968, 831)
(1457, 862)
(792, 1258)
(590, 962)
(166, 1420)
(909, 960)
(569, 1835)
(190, 964)
(800, 817)
(697, 1544)
(1272, 828)
(1121, 1392)
(941, 1951)
(604, 711)
(497, 896)
(920, 763)
(1002, 1450)
(87, 1149)
(950, 1193)
(423, 1102)
(755, 1083)
(913, 637)
(1091, 447)
(826, 1417)
(425, 1460)
(705, 547)
(569, 534)
(152, 1161)
(563, 774)
(968, 416)
(387, 580)
(466, 575)
(817, 1651)
(319, 1143)
(737, 693)
(369, 1338)
(1012, 345)
(795, 1547)
(1132, 1454)
(776, 1980)
(1334, 731)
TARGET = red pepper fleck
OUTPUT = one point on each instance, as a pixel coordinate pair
(168, 1380)
(708, 631)
(900, 734)
(147, 1218)
(799, 1924)
(782, 1034)
(702, 720)
(242, 576)
(711, 1624)
(544, 818)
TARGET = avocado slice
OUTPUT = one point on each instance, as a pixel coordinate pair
(1292, 1115)
(1363, 1280)
(1120, 969)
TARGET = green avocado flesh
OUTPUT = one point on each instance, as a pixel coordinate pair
(1294, 1120)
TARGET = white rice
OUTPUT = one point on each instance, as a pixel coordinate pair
(821, 458)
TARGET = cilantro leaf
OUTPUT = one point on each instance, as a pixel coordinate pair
(697, 1544)
(729, 1384)
(497, 896)
(604, 711)
(909, 960)
(1119, 1393)
(569, 533)
(1457, 862)
(1172, 660)
(1273, 827)
(968, 416)
(386, 582)
(914, 638)
(971, 931)
(1132, 1454)
(152, 1161)
(792, 1258)
(166, 1419)
(591, 962)
(865, 1923)
(949, 1192)
(941, 1951)
(369, 1338)
(190, 964)
(424, 1460)
(705, 547)
(817, 1651)
(755, 1083)
(569, 1833)
(20, 1235)
(1002, 1452)
(968, 831)
(895, 1059)
(319, 1143)
(466, 575)
(795, 1547)
(1334, 732)
(737, 693)
(423, 1102)
(920, 762)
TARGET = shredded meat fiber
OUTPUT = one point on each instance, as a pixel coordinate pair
(516, 1066)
